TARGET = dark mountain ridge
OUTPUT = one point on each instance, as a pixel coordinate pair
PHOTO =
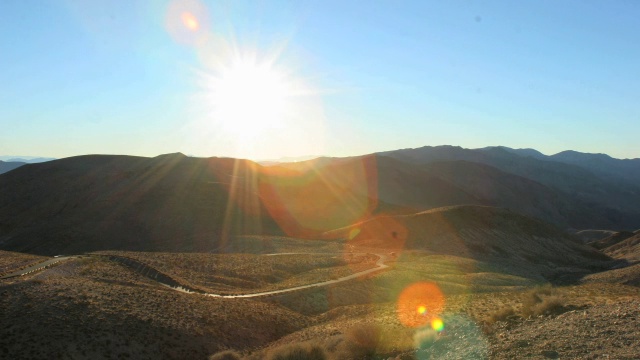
(177, 203)
(100, 202)
(620, 196)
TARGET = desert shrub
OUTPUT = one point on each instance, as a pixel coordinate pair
(542, 301)
(299, 352)
(549, 306)
(533, 297)
(225, 355)
(361, 342)
(501, 314)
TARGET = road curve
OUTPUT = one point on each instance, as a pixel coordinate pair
(39, 266)
(169, 282)
(380, 265)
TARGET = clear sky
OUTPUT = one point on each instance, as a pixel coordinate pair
(268, 79)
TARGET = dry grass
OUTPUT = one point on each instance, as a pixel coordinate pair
(306, 351)
(501, 314)
(97, 309)
(543, 301)
(248, 273)
(362, 341)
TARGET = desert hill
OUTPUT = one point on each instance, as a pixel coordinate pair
(177, 203)
(611, 239)
(484, 233)
(628, 249)
(422, 186)
(593, 235)
(94, 202)
(602, 164)
(575, 178)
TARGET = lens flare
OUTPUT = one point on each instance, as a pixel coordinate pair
(344, 193)
(190, 21)
(187, 21)
(437, 324)
(419, 304)
(382, 232)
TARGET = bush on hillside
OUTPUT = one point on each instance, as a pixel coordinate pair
(502, 314)
(225, 355)
(543, 301)
(299, 352)
(362, 341)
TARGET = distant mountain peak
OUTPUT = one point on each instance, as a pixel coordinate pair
(576, 155)
(521, 152)
(25, 159)
(177, 155)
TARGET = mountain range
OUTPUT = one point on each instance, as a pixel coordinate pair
(177, 203)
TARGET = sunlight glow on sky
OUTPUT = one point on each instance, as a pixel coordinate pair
(269, 79)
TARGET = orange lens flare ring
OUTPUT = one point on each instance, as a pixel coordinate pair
(420, 304)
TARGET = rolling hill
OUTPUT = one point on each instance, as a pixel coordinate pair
(93, 202)
(177, 203)
(480, 232)
(406, 187)
(615, 193)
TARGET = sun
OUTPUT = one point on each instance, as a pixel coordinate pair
(248, 98)
(254, 103)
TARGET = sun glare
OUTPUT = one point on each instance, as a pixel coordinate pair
(249, 98)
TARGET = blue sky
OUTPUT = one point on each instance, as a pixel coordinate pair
(81, 77)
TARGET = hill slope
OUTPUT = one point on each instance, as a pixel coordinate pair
(414, 187)
(90, 203)
(628, 249)
(177, 203)
(485, 233)
(615, 193)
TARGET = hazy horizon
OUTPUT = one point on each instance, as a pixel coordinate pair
(293, 158)
(273, 80)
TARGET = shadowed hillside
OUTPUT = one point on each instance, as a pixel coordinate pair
(628, 249)
(616, 197)
(406, 187)
(89, 203)
(611, 240)
(177, 203)
(484, 233)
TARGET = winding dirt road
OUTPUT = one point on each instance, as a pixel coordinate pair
(39, 266)
(158, 276)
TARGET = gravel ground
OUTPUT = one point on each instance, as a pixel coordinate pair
(603, 331)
